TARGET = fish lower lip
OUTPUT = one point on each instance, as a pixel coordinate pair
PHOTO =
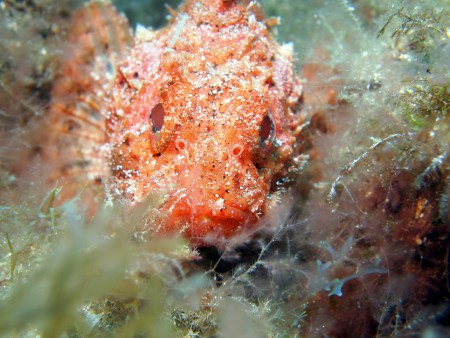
(184, 207)
(226, 215)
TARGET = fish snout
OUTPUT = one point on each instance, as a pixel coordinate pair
(216, 201)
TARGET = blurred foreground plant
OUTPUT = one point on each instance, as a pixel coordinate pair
(95, 276)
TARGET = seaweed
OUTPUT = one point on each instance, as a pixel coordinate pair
(358, 248)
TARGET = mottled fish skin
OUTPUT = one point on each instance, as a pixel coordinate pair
(205, 111)
(73, 132)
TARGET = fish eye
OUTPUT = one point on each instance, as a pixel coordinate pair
(266, 129)
(157, 117)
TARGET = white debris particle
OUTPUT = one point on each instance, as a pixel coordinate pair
(143, 129)
(178, 30)
(220, 203)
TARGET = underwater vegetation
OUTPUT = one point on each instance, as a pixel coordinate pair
(357, 247)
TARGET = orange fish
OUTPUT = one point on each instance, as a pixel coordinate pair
(205, 111)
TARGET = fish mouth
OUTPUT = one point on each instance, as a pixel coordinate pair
(207, 223)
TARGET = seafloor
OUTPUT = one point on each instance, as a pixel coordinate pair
(361, 249)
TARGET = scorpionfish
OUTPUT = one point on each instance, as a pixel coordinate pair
(206, 112)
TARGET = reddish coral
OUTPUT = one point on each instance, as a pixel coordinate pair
(205, 111)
